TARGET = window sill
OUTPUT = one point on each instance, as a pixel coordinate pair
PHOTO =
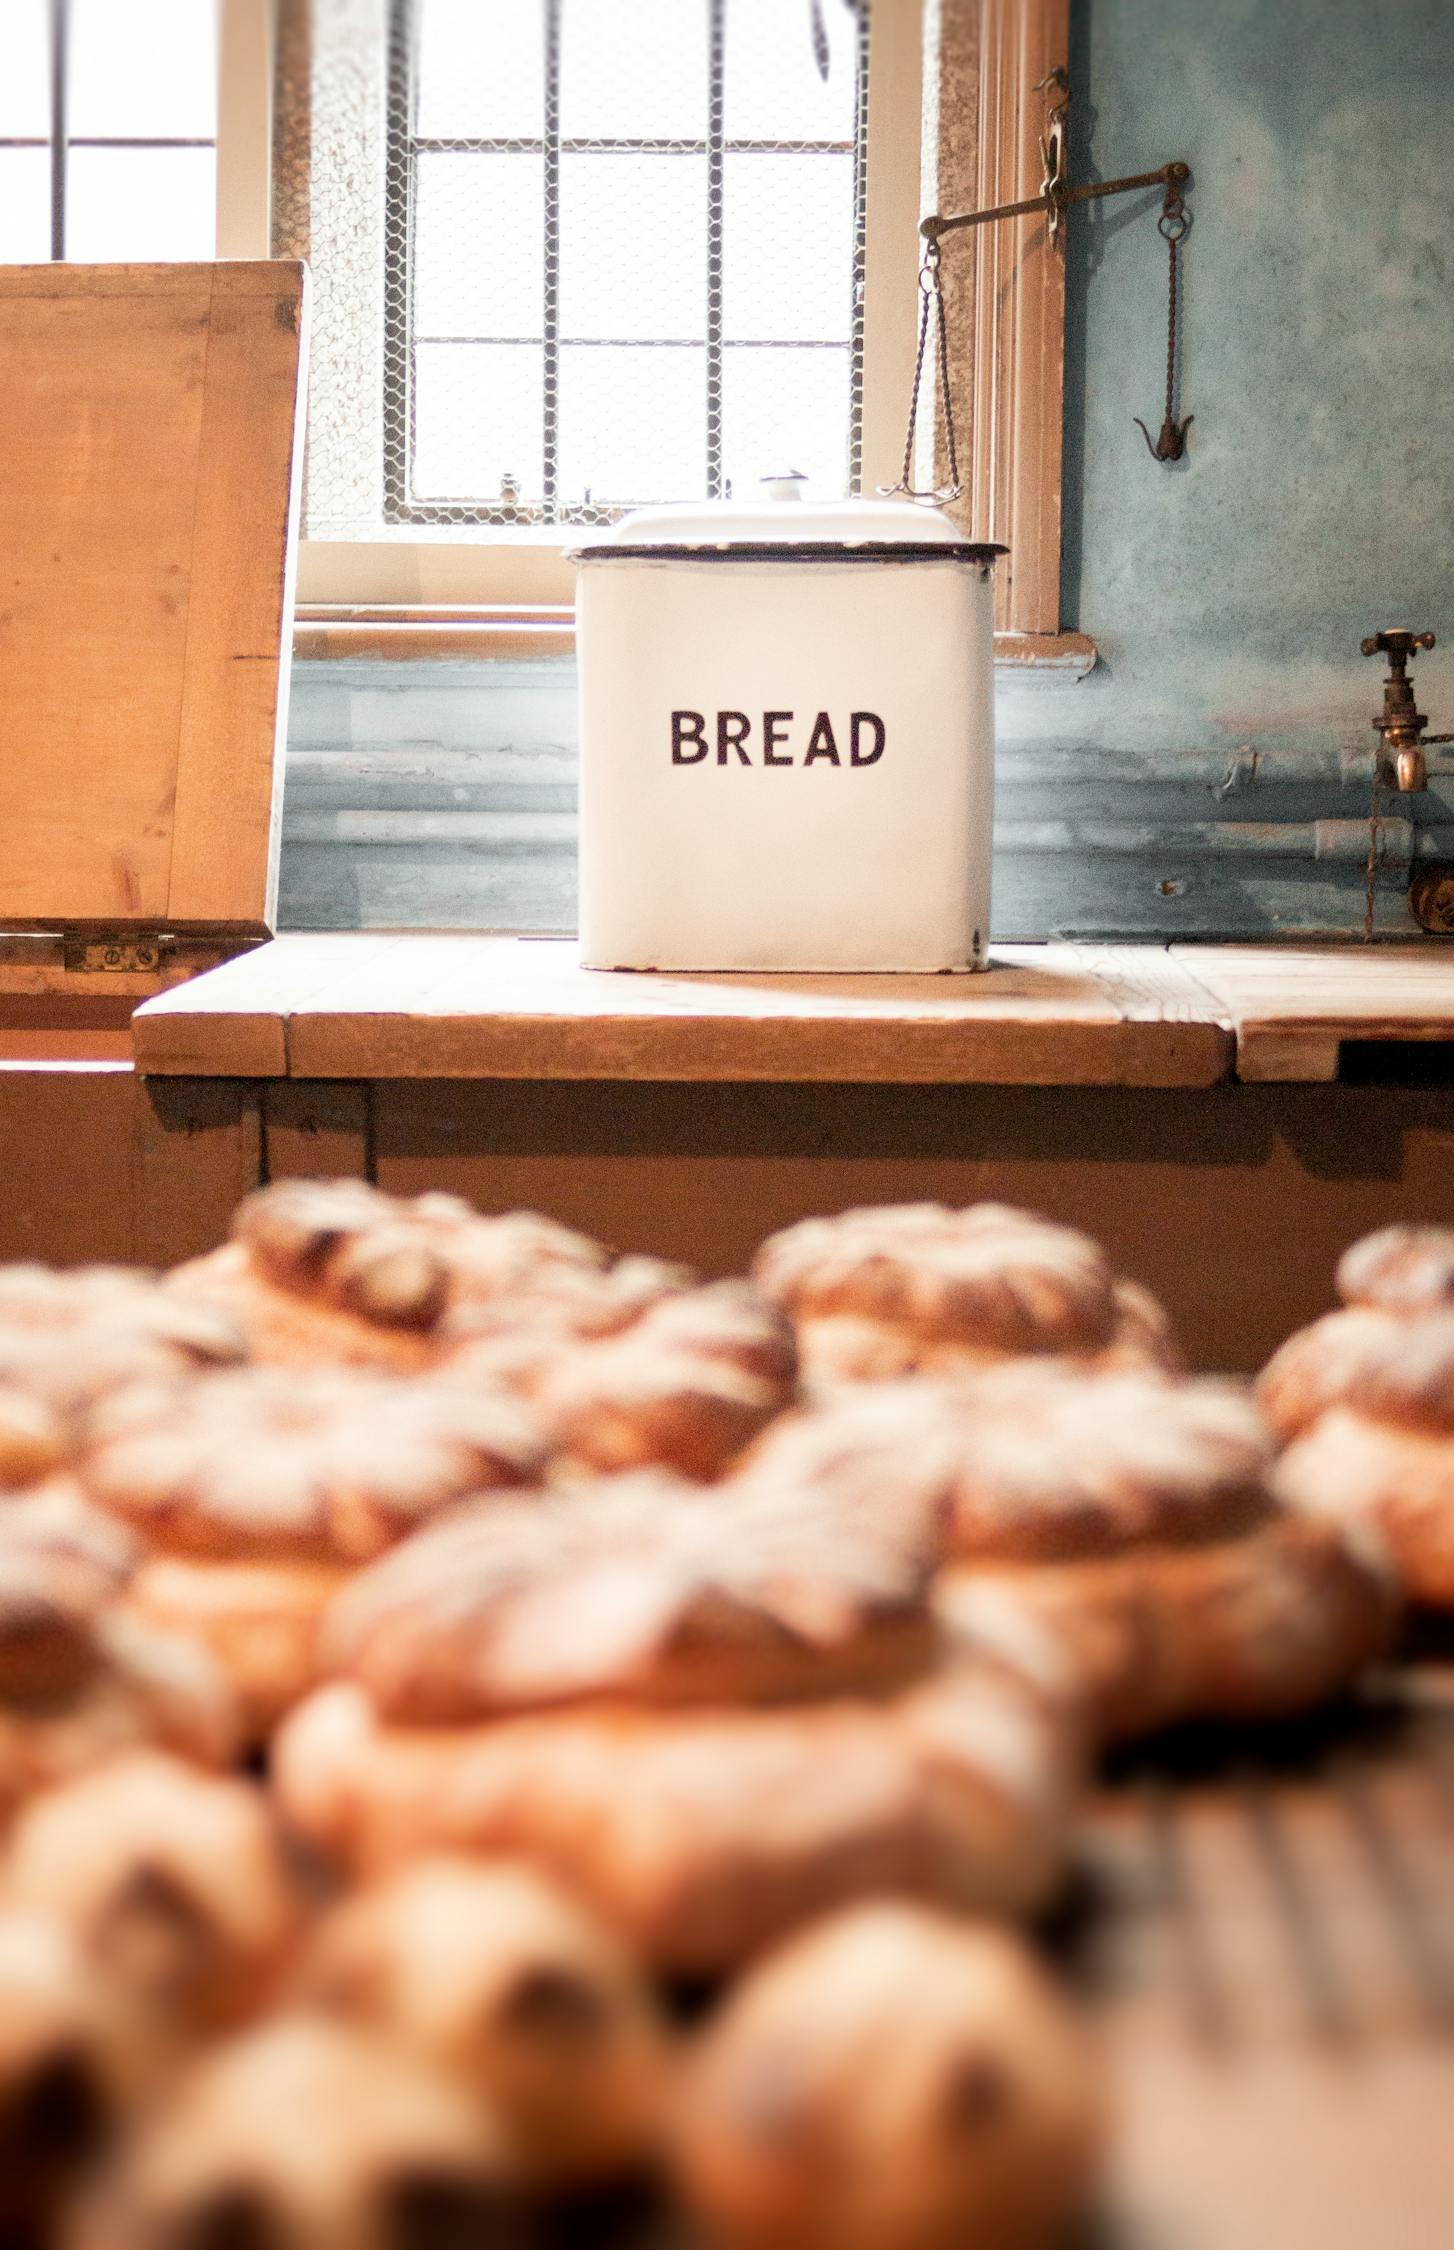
(400, 632)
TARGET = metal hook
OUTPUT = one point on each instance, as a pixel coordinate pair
(1171, 443)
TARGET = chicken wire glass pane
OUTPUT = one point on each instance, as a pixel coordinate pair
(24, 72)
(143, 69)
(785, 222)
(478, 222)
(24, 206)
(773, 88)
(632, 423)
(633, 247)
(786, 409)
(138, 203)
(633, 69)
(594, 237)
(478, 421)
(481, 72)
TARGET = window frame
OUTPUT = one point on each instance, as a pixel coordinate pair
(455, 568)
(243, 80)
(955, 112)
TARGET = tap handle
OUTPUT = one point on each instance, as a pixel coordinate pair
(1397, 643)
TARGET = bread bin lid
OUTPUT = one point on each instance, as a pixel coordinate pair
(778, 525)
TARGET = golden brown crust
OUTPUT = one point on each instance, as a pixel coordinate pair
(642, 1589)
(686, 1386)
(1253, 1628)
(1321, 1364)
(281, 1465)
(1389, 1351)
(301, 2132)
(1031, 1463)
(72, 1339)
(884, 1292)
(891, 2080)
(259, 1622)
(80, 1684)
(703, 1834)
(1395, 1481)
(334, 1272)
(506, 1986)
(1401, 1269)
(56, 1521)
(172, 1880)
(32, 1440)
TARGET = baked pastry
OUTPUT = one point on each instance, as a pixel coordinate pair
(260, 1490)
(70, 1339)
(892, 2080)
(1381, 1456)
(1130, 1520)
(79, 1680)
(685, 1385)
(333, 1271)
(1030, 1463)
(74, 2061)
(918, 1288)
(32, 1440)
(507, 1987)
(1256, 1628)
(1388, 1282)
(707, 1715)
(75, 1543)
(306, 2136)
(174, 1882)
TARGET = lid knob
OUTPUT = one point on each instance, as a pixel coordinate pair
(789, 486)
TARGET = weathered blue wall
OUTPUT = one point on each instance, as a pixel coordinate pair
(1211, 777)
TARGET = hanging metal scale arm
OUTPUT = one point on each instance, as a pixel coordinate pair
(1055, 199)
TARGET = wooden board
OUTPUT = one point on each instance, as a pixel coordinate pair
(1292, 1007)
(415, 1006)
(148, 487)
(1272, 1962)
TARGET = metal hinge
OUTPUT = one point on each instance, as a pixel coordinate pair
(114, 956)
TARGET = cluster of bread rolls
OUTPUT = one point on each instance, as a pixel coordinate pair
(430, 1645)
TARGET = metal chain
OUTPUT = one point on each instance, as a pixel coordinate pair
(931, 296)
(1173, 225)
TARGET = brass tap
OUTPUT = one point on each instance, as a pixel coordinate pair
(1401, 761)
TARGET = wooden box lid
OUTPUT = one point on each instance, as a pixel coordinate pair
(148, 492)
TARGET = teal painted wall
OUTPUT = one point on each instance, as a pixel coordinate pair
(1212, 776)
(1228, 592)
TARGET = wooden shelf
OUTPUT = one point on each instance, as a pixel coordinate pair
(421, 1006)
(1292, 1007)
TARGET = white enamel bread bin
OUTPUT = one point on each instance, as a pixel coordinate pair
(787, 738)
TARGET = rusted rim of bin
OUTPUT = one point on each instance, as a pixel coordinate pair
(799, 551)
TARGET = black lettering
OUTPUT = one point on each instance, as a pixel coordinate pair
(871, 757)
(821, 743)
(772, 734)
(688, 726)
(733, 728)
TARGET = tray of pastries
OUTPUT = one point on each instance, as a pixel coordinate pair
(504, 1741)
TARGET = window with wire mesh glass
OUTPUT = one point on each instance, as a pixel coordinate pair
(624, 253)
(108, 130)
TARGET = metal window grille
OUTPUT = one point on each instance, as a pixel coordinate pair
(58, 142)
(624, 251)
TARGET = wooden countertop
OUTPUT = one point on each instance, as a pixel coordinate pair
(422, 1005)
